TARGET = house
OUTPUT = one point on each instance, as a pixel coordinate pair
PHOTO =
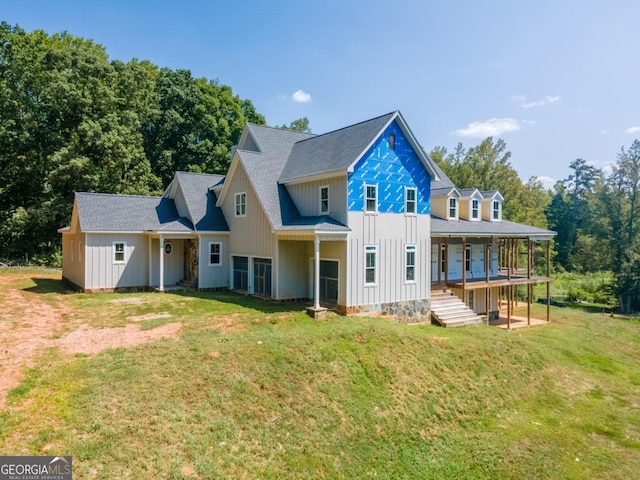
(353, 220)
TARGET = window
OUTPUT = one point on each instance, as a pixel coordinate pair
(453, 204)
(410, 200)
(370, 253)
(410, 267)
(215, 254)
(392, 141)
(324, 199)
(475, 209)
(467, 260)
(496, 210)
(371, 198)
(118, 252)
(168, 248)
(241, 204)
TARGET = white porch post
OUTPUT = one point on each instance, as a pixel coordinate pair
(161, 287)
(150, 255)
(317, 273)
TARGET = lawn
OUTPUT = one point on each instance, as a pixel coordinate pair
(245, 388)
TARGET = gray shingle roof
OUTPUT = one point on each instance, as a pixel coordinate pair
(332, 151)
(459, 228)
(100, 212)
(444, 182)
(201, 202)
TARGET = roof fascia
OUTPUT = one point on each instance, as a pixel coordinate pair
(314, 177)
(228, 177)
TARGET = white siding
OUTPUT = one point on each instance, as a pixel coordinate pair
(293, 269)
(390, 233)
(103, 273)
(173, 264)
(307, 197)
(212, 276)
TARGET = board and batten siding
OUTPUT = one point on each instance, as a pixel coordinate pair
(250, 235)
(103, 273)
(173, 263)
(293, 269)
(74, 257)
(390, 233)
(213, 276)
(307, 197)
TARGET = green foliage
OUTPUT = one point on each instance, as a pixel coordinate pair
(299, 125)
(74, 121)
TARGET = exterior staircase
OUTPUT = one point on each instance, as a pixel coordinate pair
(449, 311)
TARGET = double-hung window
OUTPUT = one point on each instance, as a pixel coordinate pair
(453, 206)
(496, 210)
(475, 209)
(371, 264)
(119, 252)
(410, 264)
(215, 254)
(467, 258)
(324, 199)
(371, 198)
(410, 200)
(241, 204)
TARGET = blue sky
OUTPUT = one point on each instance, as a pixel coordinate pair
(557, 80)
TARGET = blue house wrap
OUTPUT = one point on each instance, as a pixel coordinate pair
(392, 170)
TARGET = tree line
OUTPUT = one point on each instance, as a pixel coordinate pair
(72, 120)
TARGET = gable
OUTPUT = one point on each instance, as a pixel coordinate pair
(392, 170)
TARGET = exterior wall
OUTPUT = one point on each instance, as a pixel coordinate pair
(454, 260)
(74, 257)
(390, 233)
(479, 300)
(440, 207)
(173, 263)
(307, 197)
(213, 276)
(250, 235)
(103, 273)
(178, 199)
(293, 269)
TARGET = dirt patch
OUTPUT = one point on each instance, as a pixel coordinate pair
(31, 322)
(95, 340)
(227, 324)
(149, 316)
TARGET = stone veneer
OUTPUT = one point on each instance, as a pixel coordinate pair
(410, 311)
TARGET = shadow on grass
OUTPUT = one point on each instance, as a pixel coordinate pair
(263, 305)
(47, 285)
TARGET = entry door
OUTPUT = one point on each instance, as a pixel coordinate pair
(262, 277)
(329, 282)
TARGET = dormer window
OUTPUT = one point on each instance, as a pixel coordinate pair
(496, 210)
(475, 209)
(453, 206)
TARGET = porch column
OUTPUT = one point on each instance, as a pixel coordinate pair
(487, 261)
(548, 278)
(161, 287)
(316, 292)
(446, 261)
(464, 268)
(150, 255)
(439, 254)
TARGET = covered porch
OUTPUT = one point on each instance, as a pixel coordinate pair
(173, 261)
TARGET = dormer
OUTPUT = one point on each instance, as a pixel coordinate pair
(445, 203)
(492, 206)
(470, 204)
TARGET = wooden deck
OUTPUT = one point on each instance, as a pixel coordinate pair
(496, 281)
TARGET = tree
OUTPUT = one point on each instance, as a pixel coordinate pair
(299, 125)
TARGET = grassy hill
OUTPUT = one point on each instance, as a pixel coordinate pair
(252, 389)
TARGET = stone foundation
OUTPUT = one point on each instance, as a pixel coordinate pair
(317, 313)
(411, 311)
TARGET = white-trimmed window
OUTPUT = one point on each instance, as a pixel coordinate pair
(324, 199)
(241, 204)
(496, 210)
(410, 196)
(215, 254)
(475, 209)
(453, 207)
(467, 259)
(410, 263)
(371, 198)
(371, 264)
(119, 252)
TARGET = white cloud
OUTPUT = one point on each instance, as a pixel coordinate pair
(490, 128)
(633, 130)
(301, 96)
(547, 182)
(524, 102)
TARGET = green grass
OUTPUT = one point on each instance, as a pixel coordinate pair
(253, 389)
